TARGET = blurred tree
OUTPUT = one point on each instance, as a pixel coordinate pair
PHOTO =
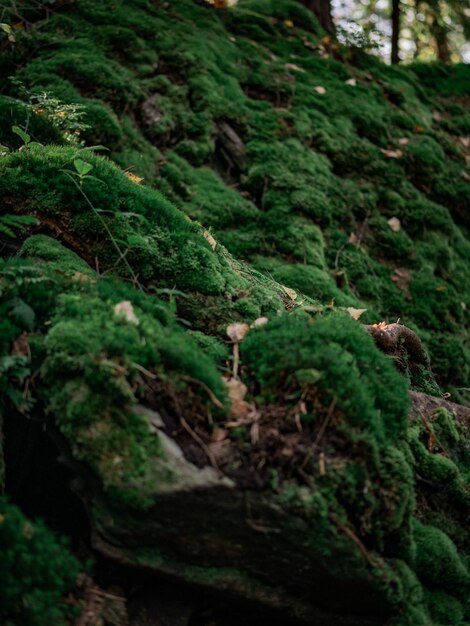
(406, 30)
(395, 55)
(322, 10)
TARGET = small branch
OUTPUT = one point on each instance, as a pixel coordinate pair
(371, 560)
(198, 440)
(209, 392)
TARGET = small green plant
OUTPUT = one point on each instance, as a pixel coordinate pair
(22, 134)
(67, 118)
(78, 177)
(9, 223)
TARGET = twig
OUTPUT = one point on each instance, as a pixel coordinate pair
(373, 561)
(198, 440)
(320, 434)
(209, 392)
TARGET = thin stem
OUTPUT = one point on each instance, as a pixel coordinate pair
(110, 234)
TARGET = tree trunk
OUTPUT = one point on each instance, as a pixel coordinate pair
(442, 43)
(322, 10)
(395, 58)
(439, 33)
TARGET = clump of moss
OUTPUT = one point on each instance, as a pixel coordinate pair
(341, 352)
(37, 572)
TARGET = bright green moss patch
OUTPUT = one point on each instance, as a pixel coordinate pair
(361, 381)
(95, 343)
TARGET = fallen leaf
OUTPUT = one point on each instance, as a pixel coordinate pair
(441, 288)
(380, 325)
(236, 332)
(437, 116)
(351, 81)
(465, 141)
(219, 434)
(353, 239)
(391, 154)
(290, 292)
(289, 23)
(394, 224)
(319, 89)
(209, 238)
(239, 408)
(261, 321)
(403, 141)
(294, 67)
(126, 310)
(79, 277)
(325, 40)
(133, 177)
(355, 313)
(236, 389)
(402, 278)
(419, 129)
(20, 347)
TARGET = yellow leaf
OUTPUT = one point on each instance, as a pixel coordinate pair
(133, 177)
(289, 23)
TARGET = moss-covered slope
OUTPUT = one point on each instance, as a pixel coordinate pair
(286, 179)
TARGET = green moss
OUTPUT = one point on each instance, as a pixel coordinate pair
(46, 250)
(37, 572)
(338, 348)
(437, 561)
(315, 170)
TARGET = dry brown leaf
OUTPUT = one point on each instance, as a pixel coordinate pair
(355, 313)
(254, 433)
(290, 292)
(261, 321)
(20, 347)
(236, 332)
(402, 278)
(465, 141)
(210, 239)
(236, 392)
(126, 310)
(394, 224)
(353, 239)
(218, 434)
(294, 67)
(236, 389)
(391, 154)
(79, 277)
